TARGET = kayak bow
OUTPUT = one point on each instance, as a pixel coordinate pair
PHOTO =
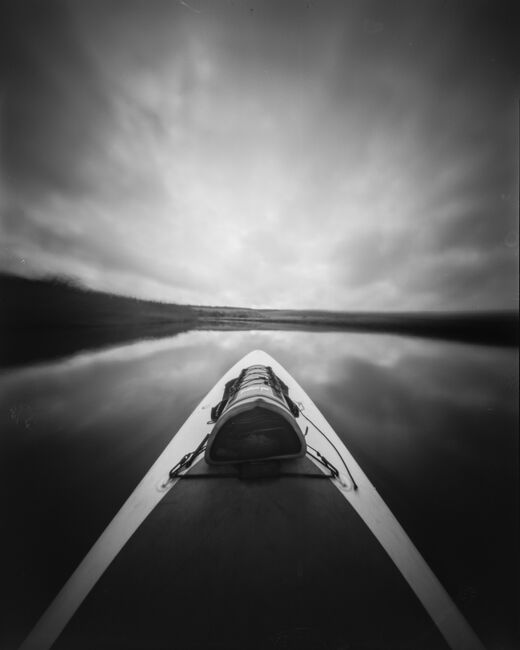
(288, 425)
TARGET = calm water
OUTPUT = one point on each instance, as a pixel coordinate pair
(433, 424)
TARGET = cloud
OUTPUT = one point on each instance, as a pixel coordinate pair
(52, 103)
(358, 156)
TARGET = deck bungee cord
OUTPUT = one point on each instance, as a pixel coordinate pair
(190, 458)
(354, 484)
(253, 382)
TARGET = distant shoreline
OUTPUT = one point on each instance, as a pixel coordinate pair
(496, 328)
(48, 318)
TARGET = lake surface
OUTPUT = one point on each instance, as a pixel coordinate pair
(433, 424)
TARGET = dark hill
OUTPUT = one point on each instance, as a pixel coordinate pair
(43, 303)
(51, 318)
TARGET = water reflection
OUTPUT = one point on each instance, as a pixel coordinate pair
(433, 424)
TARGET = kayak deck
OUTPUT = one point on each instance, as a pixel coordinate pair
(268, 563)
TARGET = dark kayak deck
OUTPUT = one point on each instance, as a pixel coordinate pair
(272, 563)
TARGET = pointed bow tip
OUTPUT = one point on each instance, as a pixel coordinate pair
(257, 356)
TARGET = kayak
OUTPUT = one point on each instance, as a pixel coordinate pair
(255, 528)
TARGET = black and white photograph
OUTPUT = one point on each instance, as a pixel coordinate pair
(259, 324)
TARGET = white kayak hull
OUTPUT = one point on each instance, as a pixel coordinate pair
(352, 486)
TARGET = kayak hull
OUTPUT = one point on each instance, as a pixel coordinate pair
(220, 562)
(230, 563)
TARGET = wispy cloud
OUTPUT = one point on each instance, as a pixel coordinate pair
(343, 155)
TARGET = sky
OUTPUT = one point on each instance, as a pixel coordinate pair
(279, 153)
